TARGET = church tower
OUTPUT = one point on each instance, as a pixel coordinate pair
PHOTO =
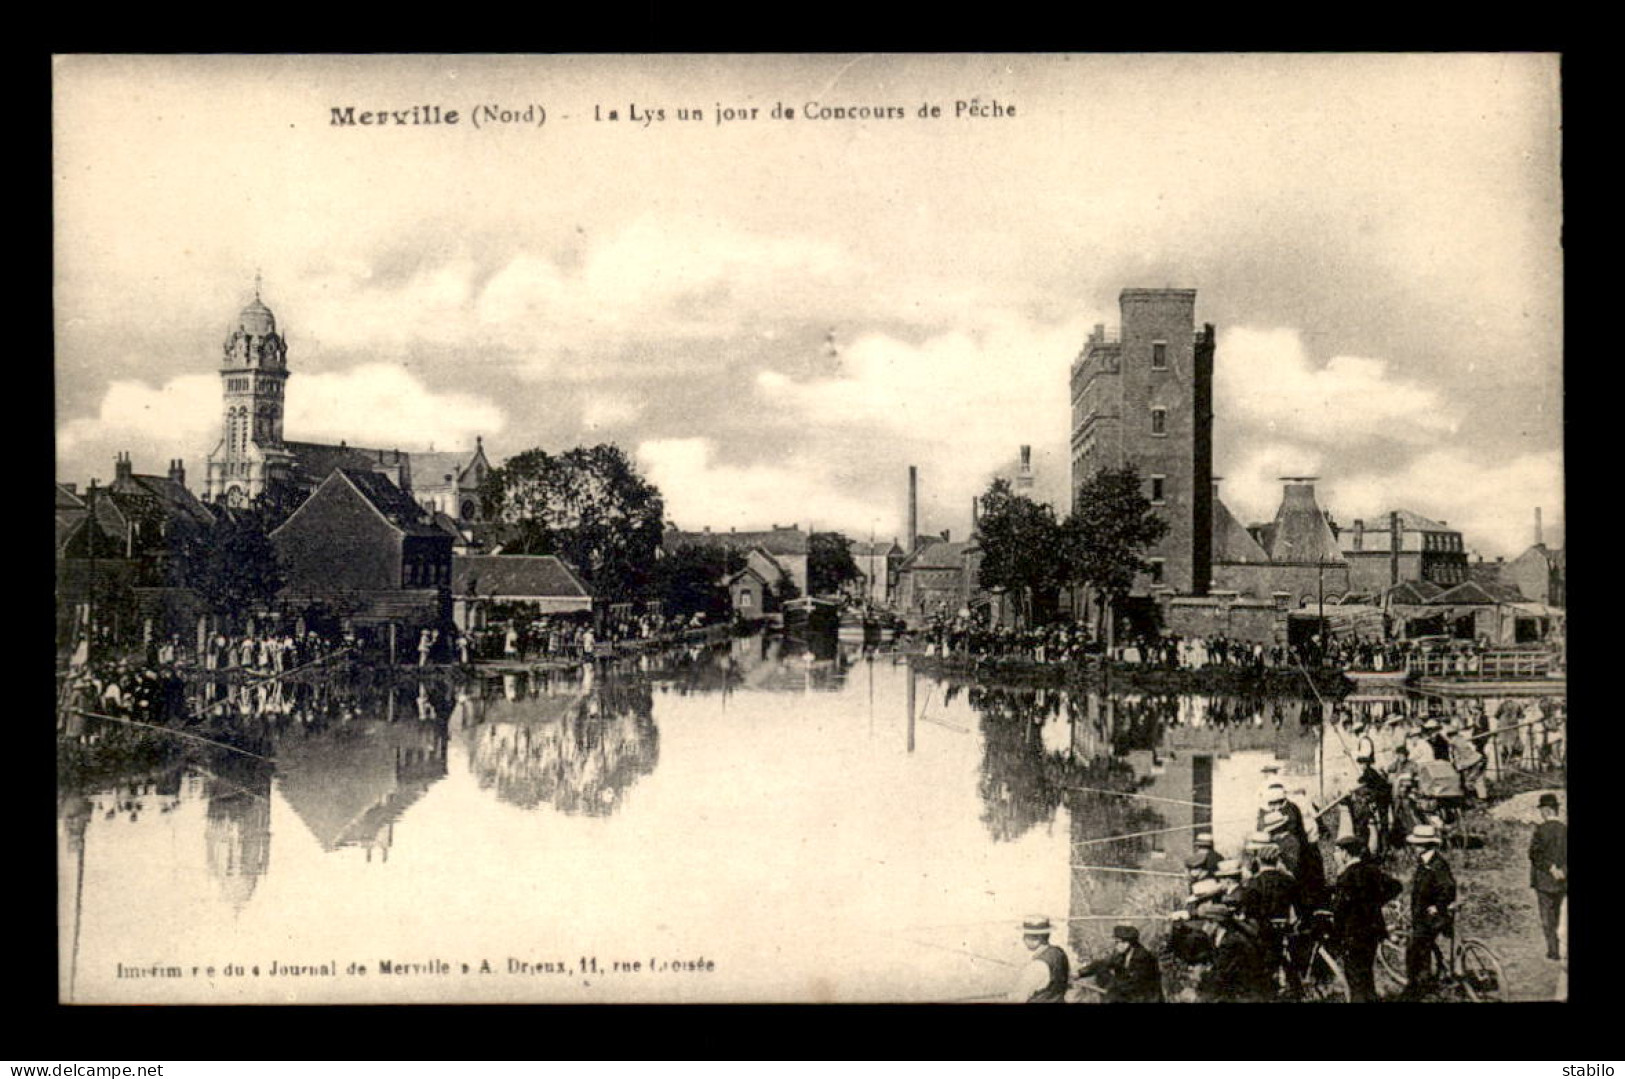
(253, 375)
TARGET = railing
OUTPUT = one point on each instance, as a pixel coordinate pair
(1481, 665)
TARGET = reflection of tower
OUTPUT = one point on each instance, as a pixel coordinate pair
(75, 821)
(237, 837)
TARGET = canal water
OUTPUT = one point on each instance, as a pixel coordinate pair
(733, 824)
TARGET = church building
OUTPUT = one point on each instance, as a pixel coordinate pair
(253, 457)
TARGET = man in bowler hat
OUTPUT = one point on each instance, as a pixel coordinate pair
(1549, 868)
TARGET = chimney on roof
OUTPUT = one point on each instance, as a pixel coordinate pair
(945, 536)
(121, 467)
(1539, 537)
(177, 471)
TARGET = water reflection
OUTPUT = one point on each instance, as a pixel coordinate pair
(571, 742)
(704, 798)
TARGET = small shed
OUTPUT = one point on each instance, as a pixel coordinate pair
(541, 581)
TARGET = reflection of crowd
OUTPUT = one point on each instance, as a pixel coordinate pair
(571, 637)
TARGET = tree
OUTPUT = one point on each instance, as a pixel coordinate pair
(829, 563)
(1111, 525)
(1023, 548)
(235, 567)
(588, 506)
(690, 580)
(781, 592)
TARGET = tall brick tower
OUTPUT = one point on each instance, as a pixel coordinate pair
(1144, 396)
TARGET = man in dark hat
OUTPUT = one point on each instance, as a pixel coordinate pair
(1549, 868)
(1362, 890)
(1433, 893)
(1130, 974)
(1044, 979)
(1204, 851)
(1242, 971)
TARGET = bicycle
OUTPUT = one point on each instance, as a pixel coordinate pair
(1311, 972)
(1473, 971)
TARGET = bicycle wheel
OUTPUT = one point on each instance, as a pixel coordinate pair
(1324, 982)
(1482, 978)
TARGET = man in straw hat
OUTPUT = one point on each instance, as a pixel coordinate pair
(1358, 926)
(1044, 979)
(1549, 869)
(1130, 974)
(1433, 892)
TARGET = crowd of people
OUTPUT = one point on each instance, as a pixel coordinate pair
(1249, 925)
(1063, 642)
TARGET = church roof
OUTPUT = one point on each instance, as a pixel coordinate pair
(433, 469)
(1232, 542)
(1301, 532)
(313, 462)
(256, 319)
(514, 576)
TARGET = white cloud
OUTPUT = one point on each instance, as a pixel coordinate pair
(374, 404)
(379, 404)
(959, 404)
(1266, 380)
(700, 492)
(605, 410)
(653, 280)
(181, 418)
(1252, 482)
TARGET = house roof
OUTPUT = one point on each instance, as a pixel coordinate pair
(1485, 572)
(943, 554)
(390, 501)
(1413, 593)
(1232, 542)
(877, 549)
(514, 576)
(164, 495)
(786, 541)
(1476, 593)
(68, 500)
(1414, 522)
(1301, 532)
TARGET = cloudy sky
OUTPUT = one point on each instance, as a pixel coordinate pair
(1377, 239)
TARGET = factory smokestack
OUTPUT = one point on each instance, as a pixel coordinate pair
(913, 508)
(1539, 535)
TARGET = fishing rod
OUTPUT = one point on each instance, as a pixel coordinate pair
(171, 730)
(1136, 794)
